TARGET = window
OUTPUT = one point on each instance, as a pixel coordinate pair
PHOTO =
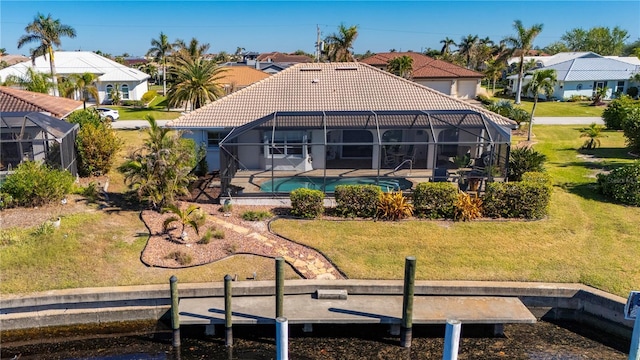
(285, 142)
(620, 87)
(214, 138)
(109, 90)
(579, 87)
(125, 91)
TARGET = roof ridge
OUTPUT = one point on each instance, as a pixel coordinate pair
(17, 94)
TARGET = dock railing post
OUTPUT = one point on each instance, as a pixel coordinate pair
(451, 340)
(282, 338)
(279, 286)
(228, 340)
(407, 301)
(175, 314)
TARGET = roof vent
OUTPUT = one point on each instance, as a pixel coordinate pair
(315, 81)
(310, 69)
(347, 68)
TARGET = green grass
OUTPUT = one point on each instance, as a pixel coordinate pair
(585, 238)
(563, 108)
(157, 108)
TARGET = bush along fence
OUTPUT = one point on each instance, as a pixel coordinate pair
(525, 199)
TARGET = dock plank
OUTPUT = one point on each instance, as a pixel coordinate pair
(357, 309)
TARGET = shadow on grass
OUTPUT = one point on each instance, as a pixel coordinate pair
(587, 191)
(607, 153)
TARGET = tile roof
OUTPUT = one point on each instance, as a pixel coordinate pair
(424, 66)
(241, 76)
(14, 100)
(324, 87)
(14, 59)
(285, 58)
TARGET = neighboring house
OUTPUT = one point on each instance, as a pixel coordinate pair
(581, 74)
(277, 57)
(439, 75)
(252, 59)
(16, 100)
(9, 60)
(235, 78)
(132, 83)
(326, 116)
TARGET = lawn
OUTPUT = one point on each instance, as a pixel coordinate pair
(563, 108)
(157, 108)
(585, 238)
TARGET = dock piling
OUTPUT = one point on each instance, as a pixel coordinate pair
(407, 301)
(279, 286)
(282, 338)
(451, 340)
(228, 341)
(175, 314)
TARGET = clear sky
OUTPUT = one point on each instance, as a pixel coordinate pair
(118, 27)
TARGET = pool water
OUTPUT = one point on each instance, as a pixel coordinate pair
(288, 184)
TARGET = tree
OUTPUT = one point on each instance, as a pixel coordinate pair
(594, 133)
(3, 51)
(541, 81)
(600, 40)
(494, 70)
(237, 56)
(47, 32)
(222, 57)
(555, 48)
(161, 169)
(83, 86)
(115, 96)
(160, 49)
(192, 216)
(97, 143)
(521, 43)
(447, 42)
(401, 66)
(197, 81)
(31, 81)
(467, 46)
(340, 44)
(194, 50)
(598, 95)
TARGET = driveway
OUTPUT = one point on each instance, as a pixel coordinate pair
(135, 124)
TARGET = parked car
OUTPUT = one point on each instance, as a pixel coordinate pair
(108, 114)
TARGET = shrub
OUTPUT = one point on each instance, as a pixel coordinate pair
(467, 208)
(84, 117)
(134, 103)
(91, 192)
(149, 96)
(522, 160)
(521, 199)
(617, 110)
(577, 98)
(255, 215)
(307, 203)
(485, 100)
(506, 109)
(631, 128)
(393, 206)
(622, 184)
(97, 146)
(206, 238)
(218, 234)
(45, 228)
(180, 257)
(33, 184)
(6, 200)
(632, 91)
(357, 200)
(434, 200)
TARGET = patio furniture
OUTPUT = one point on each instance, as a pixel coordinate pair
(440, 175)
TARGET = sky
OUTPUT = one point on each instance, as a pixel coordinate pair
(119, 27)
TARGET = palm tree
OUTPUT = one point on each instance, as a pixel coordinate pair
(594, 133)
(31, 81)
(192, 216)
(401, 66)
(47, 32)
(521, 44)
(196, 83)
(541, 81)
(466, 47)
(160, 49)
(339, 45)
(447, 42)
(194, 50)
(494, 70)
(84, 85)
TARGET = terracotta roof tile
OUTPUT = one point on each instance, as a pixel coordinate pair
(324, 87)
(241, 76)
(424, 66)
(14, 100)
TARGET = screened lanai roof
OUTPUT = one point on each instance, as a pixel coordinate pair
(416, 119)
(14, 121)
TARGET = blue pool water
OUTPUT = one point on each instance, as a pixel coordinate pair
(286, 185)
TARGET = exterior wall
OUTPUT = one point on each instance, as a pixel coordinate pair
(136, 89)
(566, 89)
(444, 86)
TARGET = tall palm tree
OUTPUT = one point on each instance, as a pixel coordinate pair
(494, 70)
(193, 50)
(340, 44)
(466, 47)
(83, 85)
(542, 81)
(447, 42)
(521, 43)
(197, 81)
(401, 66)
(47, 32)
(160, 49)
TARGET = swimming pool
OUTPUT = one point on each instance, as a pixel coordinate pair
(288, 184)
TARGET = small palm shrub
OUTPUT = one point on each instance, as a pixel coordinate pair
(631, 129)
(467, 208)
(180, 257)
(593, 133)
(622, 184)
(434, 200)
(307, 203)
(393, 206)
(192, 216)
(357, 200)
(506, 109)
(522, 160)
(34, 184)
(251, 215)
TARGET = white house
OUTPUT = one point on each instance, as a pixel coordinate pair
(581, 74)
(131, 82)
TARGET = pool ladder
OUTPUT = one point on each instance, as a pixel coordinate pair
(402, 163)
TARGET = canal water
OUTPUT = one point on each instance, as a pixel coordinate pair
(540, 341)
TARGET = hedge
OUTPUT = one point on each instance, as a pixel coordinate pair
(307, 203)
(520, 199)
(622, 184)
(357, 200)
(435, 200)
